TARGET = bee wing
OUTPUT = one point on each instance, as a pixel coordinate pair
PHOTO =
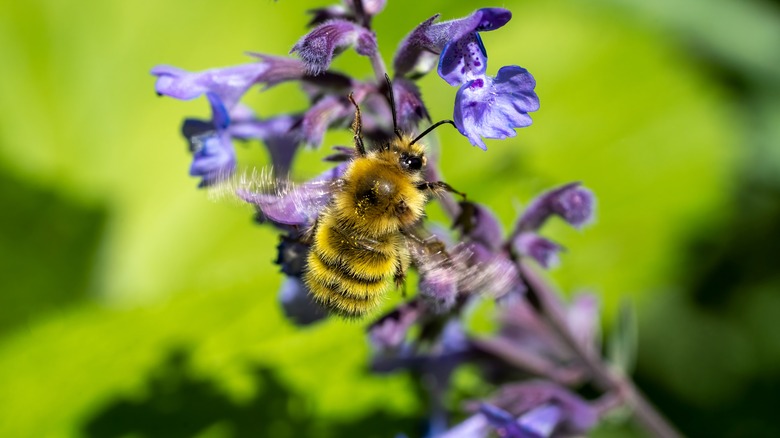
(281, 201)
(471, 266)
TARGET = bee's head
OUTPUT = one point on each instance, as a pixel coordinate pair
(411, 157)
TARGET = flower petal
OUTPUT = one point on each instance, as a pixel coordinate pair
(493, 107)
(540, 422)
(321, 116)
(544, 251)
(409, 106)
(463, 60)
(296, 205)
(479, 224)
(502, 421)
(317, 47)
(228, 83)
(297, 304)
(413, 54)
(572, 202)
(280, 135)
(213, 156)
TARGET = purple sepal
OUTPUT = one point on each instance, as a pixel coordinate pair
(479, 224)
(323, 114)
(389, 332)
(280, 135)
(439, 286)
(544, 251)
(297, 304)
(228, 83)
(573, 203)
(463, 60)
(317, 47)
(408, 104)
(413, 54)
(493, 107)
(297, 205)
(213, 155)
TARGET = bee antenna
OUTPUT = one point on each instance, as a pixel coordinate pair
(391, 100)
(431, 128)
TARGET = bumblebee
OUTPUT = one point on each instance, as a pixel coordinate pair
(359, 241)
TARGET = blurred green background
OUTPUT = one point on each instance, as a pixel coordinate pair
(131, 305)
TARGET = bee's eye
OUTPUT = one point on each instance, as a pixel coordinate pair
(411, 162)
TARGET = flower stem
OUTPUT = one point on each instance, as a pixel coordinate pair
(644, 412)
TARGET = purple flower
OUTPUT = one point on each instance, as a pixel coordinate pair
(281, 135)
(544, 251)
(573, 203)
(408, 104)
(297, 304)
(293, 205)
(317, 47)
(213, 156)
(493, 107)
(413, 56)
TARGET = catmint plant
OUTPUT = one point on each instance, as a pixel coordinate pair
(543, 350)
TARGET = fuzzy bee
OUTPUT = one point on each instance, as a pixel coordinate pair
(364, 235)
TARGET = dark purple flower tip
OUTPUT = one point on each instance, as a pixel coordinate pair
(463, 60)
(573, 203)
(493, 107)
(575, 206)
(544, 251)
(439, 286)
(229, 83)
(322, 115)
(297, 304)
(291, 254)
(296, 205)
(480, 225)
(409, 105)
(281, 135)
(321, 15)
(389, 332)
(414, 53)
(317, 47)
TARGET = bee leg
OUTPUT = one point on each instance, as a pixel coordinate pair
(307, 237)
(357, 128)
(439, 186)
(400, 280)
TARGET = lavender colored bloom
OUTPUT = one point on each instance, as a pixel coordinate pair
(536, 423)
(297, 304)
(389, 332)
(544, 251)
(409, 105)
(413, 56)
(439, 286)
(213, 156)
(575, 415)
(322, 115)
(463, 60)
(229, 83)
(317, 48)
(281, 135)
(493, 107)
(479, 224)
(573, 203)
(296, 205)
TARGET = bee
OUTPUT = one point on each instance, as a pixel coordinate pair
(366, 215)
(360, 240)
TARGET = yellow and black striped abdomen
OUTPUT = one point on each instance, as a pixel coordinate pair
(347, 272)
